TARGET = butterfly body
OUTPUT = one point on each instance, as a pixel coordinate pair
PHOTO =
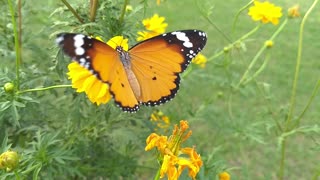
(148, 73)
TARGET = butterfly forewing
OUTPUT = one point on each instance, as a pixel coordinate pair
(158, 61)
(103, 62)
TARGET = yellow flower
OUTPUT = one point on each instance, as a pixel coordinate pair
(200, 60)
(172, 157)
(9, 160)
(294, 11)
(154, 26)
(84, 81)
(224, 176)
(143, 35)
(265, 12)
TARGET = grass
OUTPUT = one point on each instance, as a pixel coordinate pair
(236, 127)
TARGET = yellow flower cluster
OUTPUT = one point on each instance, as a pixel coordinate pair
(265, 12)
(173, 158)
(9, 160)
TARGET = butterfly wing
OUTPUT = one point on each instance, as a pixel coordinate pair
(103, 62)
(158, 61)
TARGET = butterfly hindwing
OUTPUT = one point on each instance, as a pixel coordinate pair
(158, 61)
(103, 62)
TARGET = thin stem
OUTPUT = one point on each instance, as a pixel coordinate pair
(20, 28)
(43, 89)
(313, 95)
(16, 45)
(234, 43)
(265, 62)
(157, 176)
(283, 157)
(297, 69)
(93, 9)
(294, 91)
(237, 15)
(72, 10)
(256, 57)
(218, 29)
(123, 11)
(269, 106)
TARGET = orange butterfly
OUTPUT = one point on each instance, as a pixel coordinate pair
(148, 73)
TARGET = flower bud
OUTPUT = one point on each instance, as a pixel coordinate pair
(8, 87)
(293, 12)
(9, 160)
(268, 43)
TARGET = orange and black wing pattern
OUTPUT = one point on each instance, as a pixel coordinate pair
(147, 74)
(103, 62)
(157, 63)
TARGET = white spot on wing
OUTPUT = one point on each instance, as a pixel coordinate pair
(78, 40)
(59, 39)
(182, 37)
(79, 51)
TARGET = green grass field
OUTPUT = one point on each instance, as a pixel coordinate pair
(58, 133)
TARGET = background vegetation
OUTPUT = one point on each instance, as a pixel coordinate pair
(58, 133)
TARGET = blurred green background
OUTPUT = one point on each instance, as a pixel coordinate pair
(233, 131)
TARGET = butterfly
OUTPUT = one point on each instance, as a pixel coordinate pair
(146, 74)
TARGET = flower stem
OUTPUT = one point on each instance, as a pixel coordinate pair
(234, 43)
(256, 57)
(294, 91)
(16, 45)
(123, 11)
(157, 176)
(238, 13)
(313, 95)
(93, 9)
(43, 89)
(297, 69)
(72, 10)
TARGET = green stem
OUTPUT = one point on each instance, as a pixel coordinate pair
(256, 57)
(283, 157)
(72, 10)
(293, 92)
(313, 95)
(123, 11)
(43, 89)
(218, 29)
(93, 9)
(237, 15)
(16, 45)
(265, 62)
(157, 176)
(297, 69)
(234, 43)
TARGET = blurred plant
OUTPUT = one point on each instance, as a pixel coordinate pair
(160, 121)
(266, 12)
